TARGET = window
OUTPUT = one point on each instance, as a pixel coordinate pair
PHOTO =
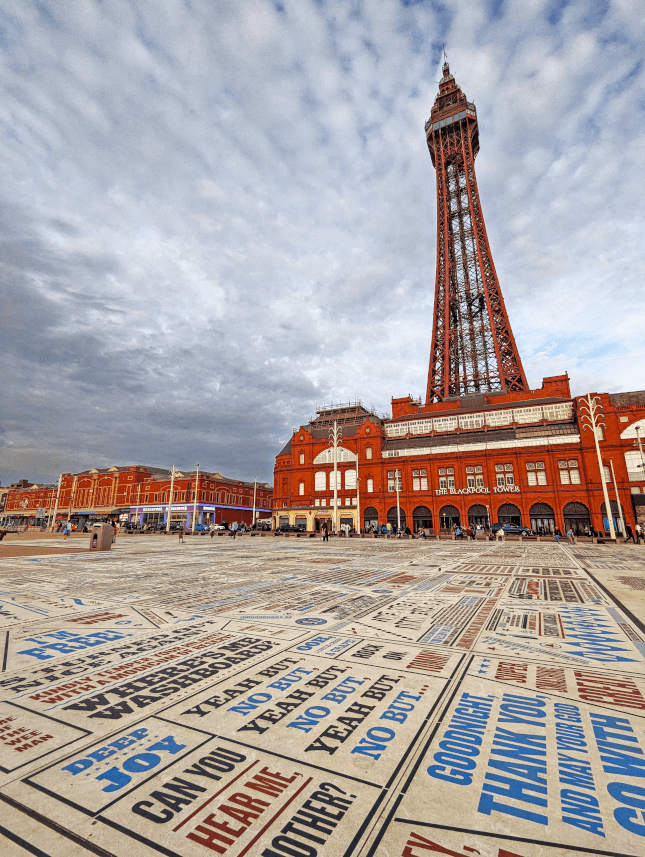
(442, 471)
(535, 473)
(350, 480)
(370, 486)
(635, 470)
(419, 480)
(302, 458)
(607, 473)
(301, 488)
(479, 468)
(323, 502)
(216, 497)
(470, 469)
(368, 452)
(348, 501)
(210, 497)
(391, 484)
(443, 482)
(500, 480)
(147, 500)
(480, 481)
(470, 481)
(320, 480)
(569, 472)
(451, 482)
(317, 502)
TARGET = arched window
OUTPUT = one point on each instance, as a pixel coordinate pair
(301, 488)
(635, 471)
(542, 518)
(508, 513)
(422, 518)
(320, 480)
(370, 517)
(350, 480)
(478, 516)
(449, 516)
(327, 455)
(576, 518)
(393, 517)
(368, 452)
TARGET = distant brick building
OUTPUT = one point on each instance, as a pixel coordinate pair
(136, 493)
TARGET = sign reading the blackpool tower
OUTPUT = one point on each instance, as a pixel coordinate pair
(273, 697)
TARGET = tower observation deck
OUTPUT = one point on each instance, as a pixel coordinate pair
(473, 349)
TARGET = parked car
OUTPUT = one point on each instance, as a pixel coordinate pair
(218, 527)
(200, 528)
(175, 526)
(293, 528)
(511, 530)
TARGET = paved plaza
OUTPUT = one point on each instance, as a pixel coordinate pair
(294, 698)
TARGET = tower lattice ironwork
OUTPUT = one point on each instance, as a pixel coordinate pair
(473, 349)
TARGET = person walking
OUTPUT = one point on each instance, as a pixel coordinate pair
(572, 541)
(65, 531)
(630, 534)
(234, 529)
(180, 533)
(325, 532)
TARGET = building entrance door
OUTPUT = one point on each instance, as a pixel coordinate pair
(449, 517)
(478, 516)
(542, 519)
(508, 513)
(576, 518)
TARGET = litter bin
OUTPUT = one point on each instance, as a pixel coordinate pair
(101, 537)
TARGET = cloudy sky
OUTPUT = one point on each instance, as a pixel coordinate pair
(216, 215)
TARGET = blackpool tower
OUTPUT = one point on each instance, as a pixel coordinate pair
(473, 349)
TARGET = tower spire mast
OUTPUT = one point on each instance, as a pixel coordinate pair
(473, 349)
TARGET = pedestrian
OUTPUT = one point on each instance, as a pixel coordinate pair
(234, 529)
(639, 534)
(65, 532)
(572, 541)
(115, 531)
(212, 530)
(557, 535)
(630, 534)
(500, 535)
(325, 532)
(180, 533)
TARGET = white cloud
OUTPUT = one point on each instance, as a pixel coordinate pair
(217, 216)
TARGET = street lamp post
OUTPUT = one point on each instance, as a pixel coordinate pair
(358, 494)
(595, 419)
(138, 498)
(335, 435)
(71, 499)
(172, 488)
(255, 491)
(620, 508)
(196, 495)
(640, 447)
(397, 474)
(60, 478)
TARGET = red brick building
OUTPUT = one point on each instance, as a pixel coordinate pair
(136, 493)
(520, 457)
